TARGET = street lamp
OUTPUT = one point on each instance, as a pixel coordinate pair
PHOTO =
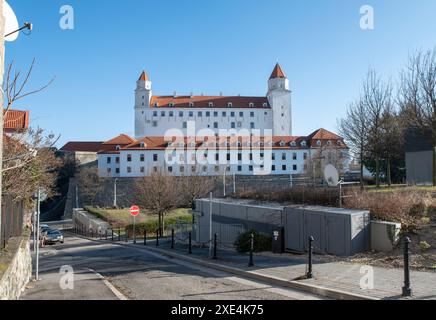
(115, 192)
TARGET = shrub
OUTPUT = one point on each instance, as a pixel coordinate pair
(424, 245)
(151, 225)
(261, 242)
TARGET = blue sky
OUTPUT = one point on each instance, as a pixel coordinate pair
(208, 47)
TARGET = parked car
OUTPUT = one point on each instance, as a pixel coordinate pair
(54, 236)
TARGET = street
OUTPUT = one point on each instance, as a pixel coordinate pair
(110, 271)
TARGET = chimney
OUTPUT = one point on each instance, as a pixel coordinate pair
(175, 94)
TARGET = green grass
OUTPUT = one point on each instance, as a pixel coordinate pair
(399, 187)
(122, 217)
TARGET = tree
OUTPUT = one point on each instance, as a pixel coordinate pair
(195, 187)
(29, 162)
(354, 128)
(88, 182)
(377, 98)
(159, 193)
(417, 96)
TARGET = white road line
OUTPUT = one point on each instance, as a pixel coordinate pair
(114, 290)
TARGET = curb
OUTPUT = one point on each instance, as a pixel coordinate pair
(309, 288)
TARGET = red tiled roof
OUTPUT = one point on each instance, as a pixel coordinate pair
(277, 72)
(279, 142)
(203, 102)
(122, 139)
(16, 121)
(143, 76)
(80, 146)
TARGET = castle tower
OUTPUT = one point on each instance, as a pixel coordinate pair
(143, 96)
(279, 97)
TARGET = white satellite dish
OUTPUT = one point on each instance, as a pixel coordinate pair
(331, 175)
(11, 22)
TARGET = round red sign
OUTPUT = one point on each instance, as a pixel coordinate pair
(134, 211)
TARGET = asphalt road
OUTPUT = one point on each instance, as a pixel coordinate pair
(103, 270)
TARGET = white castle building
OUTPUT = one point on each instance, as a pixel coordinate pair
(235, 134)
(155, 115)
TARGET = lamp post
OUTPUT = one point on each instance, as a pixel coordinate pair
(115, 192)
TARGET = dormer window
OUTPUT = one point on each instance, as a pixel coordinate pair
(210, 104)
(229, 104)
(282, 143)
(318, 143)
(265, 105)
(339, 143)
(142, 145)
(251, 104)
(171, 104)
(118, 148)
(303, 143)
(329, 143)
(191, 104)
(156, 104)
(293, 144)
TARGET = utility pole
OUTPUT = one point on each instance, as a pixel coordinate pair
(38, 214)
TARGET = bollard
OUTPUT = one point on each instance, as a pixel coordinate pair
(92, 233)
(105, 233)
(134, 236)
(100, 235)
(251, 262)
(145, 237)
(407, 291)
(172, 238)
(157, 238)
(119, 234)
(127, 235)
(112, 234)
(215, 245)
(190, 243)
(309, 274)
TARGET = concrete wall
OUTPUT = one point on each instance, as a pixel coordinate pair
(81, 218)
(419, 169)
(15, 268)
(385, 236)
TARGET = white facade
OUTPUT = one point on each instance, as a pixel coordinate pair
(273, 112)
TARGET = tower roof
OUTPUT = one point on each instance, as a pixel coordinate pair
(277, 72)
(144, 76)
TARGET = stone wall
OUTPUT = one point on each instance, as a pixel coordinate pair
(15, 268)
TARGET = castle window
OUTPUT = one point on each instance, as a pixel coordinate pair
(252, 114)
(284, 167)
(233, 125)
(251, 125)
(305, 156)
(162, 113)
(117, 170)
(251, 104)
(283, 156)
(142, 144)
(155, 157)
(154, 113)
(241, 114)
(180, 113)
(232, 114)
(215, 114)
(215, 125)
(170, 169)
(156, 104)
(229, 104)
(142, 169)
(129, 169)
(171, 114)
(294, 167)
(142, 158)
(224, 114)
(294, 156)
(200, 114)
(207, 114)
(185, 125)
(109, 160)
(293, 144)
(171, 104)
(191, 114)
(129, 158)
(191, 104)
(210, 104)
(303, 143)
(117, 160)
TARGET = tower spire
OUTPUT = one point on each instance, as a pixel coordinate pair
(144, 76)
(278, 72)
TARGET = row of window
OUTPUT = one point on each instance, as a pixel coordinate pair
(207, 114)
(205, 155)
(233, 125)
(204, 169)
(210, 104)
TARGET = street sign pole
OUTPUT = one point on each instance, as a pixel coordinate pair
(134, 229)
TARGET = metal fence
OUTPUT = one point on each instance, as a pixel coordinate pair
(12, 220)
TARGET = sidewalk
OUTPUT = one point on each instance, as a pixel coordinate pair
(337, 280)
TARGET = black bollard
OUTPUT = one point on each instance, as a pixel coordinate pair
(105, 233)
(190, 243)
(172, 238)
(134, 236)
(215, 245)
(92, 233)
(119, 234)
(251, 262)
(309, 274)
(407, 291)
(145, 237)
(157, 238)
(126, 234)
(112, 234)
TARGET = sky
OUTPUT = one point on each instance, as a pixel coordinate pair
(207, 46)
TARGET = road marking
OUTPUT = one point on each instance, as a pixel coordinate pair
(114, 290)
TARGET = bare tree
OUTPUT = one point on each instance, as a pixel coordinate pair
(377, 97)
(354, 128)
(417, 96)
(159, 193)
(195, 187)
(29, 163)
(88, 183)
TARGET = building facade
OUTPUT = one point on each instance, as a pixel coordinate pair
(155, 116)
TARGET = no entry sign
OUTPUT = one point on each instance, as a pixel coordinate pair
(134, 211)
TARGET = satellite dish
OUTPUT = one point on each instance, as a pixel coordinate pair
(331, 175)
(11, 22)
